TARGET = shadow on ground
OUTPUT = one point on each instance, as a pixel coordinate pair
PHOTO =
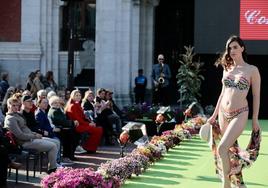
(104, 153)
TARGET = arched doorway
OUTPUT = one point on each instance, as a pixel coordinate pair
(174, 29)
(82, 15)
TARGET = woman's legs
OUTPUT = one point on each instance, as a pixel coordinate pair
(230, 134)
(68, 145)
(95, 134)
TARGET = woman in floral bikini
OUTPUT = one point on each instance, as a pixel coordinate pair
(232, 108)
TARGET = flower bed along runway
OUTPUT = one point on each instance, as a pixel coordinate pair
(191, 165)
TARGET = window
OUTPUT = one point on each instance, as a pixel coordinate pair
(84, 20)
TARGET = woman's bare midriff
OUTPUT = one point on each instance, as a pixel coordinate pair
(234, 99)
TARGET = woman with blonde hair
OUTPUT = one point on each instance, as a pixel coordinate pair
(74, 112)
(88, 105)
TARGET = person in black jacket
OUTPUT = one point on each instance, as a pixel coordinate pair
(60, 120)
(25, 110)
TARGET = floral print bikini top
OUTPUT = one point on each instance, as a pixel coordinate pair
(242, 83)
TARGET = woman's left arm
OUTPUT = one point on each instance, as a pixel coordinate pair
(256, 87)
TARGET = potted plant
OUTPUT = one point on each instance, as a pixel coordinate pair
(189, 77)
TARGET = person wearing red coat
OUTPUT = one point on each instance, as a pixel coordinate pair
(75, 112)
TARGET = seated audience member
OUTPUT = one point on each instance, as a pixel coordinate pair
(42, 93)
(59, 119)
(113, 117)
(63, 101)
(4, 85)
(49, 83)
(34, 126)
(100, 101)
(51, 94)
(37, 83)
(17, 96)
(48, 129)
(116, 109)
(28, 93)
(18, 88)
(62, 104)
(67, 94)
(74, 111)
(101, 117)
(42, 119)
(9, 93)
(2, 118)
(16, 123)
(88, 105)
(29, 83)
(26, 111)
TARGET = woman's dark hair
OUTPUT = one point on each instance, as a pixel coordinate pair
(31, 76)
(49, 75)
(100, 90)
(37, 71)
(225, 60)
(4, 75)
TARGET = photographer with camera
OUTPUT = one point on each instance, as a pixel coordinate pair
(161, 75)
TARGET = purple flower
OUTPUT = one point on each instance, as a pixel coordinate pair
(73, 178)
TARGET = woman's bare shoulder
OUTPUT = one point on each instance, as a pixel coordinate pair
(253, 68)
(253, 71)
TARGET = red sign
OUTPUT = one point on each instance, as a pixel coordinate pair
(254, 19)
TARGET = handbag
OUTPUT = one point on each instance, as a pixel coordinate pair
(11, 143)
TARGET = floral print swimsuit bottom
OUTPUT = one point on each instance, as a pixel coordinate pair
(230, 115)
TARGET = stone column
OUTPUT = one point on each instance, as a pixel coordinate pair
(146, 48)
(135, 45)
(56, 5)
(49, 36)
(147, 37)
(117, 44)
(30, 21)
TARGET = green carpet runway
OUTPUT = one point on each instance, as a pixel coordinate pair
(191, 165)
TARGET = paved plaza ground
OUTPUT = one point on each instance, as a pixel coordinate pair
(103, 154)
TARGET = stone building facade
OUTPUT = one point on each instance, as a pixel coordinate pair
(123, 43)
